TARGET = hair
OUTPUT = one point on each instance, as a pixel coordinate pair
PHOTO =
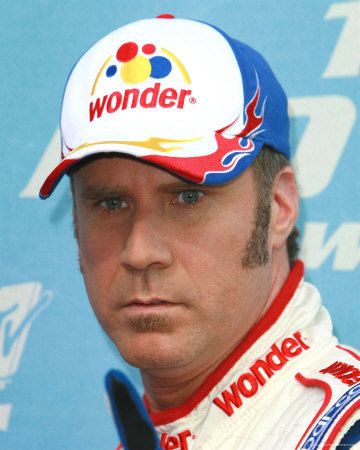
(266, 166)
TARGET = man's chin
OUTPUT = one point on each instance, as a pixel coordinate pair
(153, 350)
(151, 361)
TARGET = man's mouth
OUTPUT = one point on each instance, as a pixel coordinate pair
(147, 304)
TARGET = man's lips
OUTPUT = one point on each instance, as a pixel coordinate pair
(148, 303)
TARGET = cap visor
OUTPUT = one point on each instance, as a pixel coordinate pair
(231, 156)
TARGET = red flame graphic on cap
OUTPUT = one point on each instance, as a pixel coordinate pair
(227, 154)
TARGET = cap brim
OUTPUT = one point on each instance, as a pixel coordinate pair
(232, 156)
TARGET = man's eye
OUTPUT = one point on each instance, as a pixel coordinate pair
(189, 197)
(112, 204)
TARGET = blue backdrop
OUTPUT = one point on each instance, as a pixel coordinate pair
(53, 354)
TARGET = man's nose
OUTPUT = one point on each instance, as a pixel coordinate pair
(146, 245)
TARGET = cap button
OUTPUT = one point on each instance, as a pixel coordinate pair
(165, 16)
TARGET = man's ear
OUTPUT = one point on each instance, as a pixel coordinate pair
(284, 207)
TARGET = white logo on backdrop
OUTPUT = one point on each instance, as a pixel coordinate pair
(331, 120)
(345, 60)
(20, 304)
(343, 243)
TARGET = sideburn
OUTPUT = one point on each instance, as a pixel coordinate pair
(256, 250)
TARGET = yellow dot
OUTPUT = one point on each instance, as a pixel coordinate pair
(136, 70)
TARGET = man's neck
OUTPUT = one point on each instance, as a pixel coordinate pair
(169, 388)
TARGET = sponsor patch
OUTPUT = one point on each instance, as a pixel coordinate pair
(330, 418)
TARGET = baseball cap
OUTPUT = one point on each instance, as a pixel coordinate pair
(178, 93)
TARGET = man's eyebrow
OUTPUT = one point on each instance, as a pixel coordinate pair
(100, 192)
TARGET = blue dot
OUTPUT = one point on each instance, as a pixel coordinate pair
(111, 71)
(160, 67)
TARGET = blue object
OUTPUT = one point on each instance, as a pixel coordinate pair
(132, 421)
(111, 71)
(160, 67)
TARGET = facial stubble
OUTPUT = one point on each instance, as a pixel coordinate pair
(150, 323)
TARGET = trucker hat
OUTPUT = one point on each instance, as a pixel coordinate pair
(178, 93)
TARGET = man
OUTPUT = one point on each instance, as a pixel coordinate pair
(176, 138)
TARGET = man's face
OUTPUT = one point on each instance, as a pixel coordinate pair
(162, 262)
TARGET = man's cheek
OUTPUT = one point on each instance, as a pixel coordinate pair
(96, 247)
(98, 273)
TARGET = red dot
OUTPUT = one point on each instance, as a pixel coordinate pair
(148, 49)
(165, 16)
(127, 52)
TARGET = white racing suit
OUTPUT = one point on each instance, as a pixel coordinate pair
(288, 385)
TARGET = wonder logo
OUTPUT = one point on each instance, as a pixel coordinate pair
(180, 441)
(249, 383)
(133, 66)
